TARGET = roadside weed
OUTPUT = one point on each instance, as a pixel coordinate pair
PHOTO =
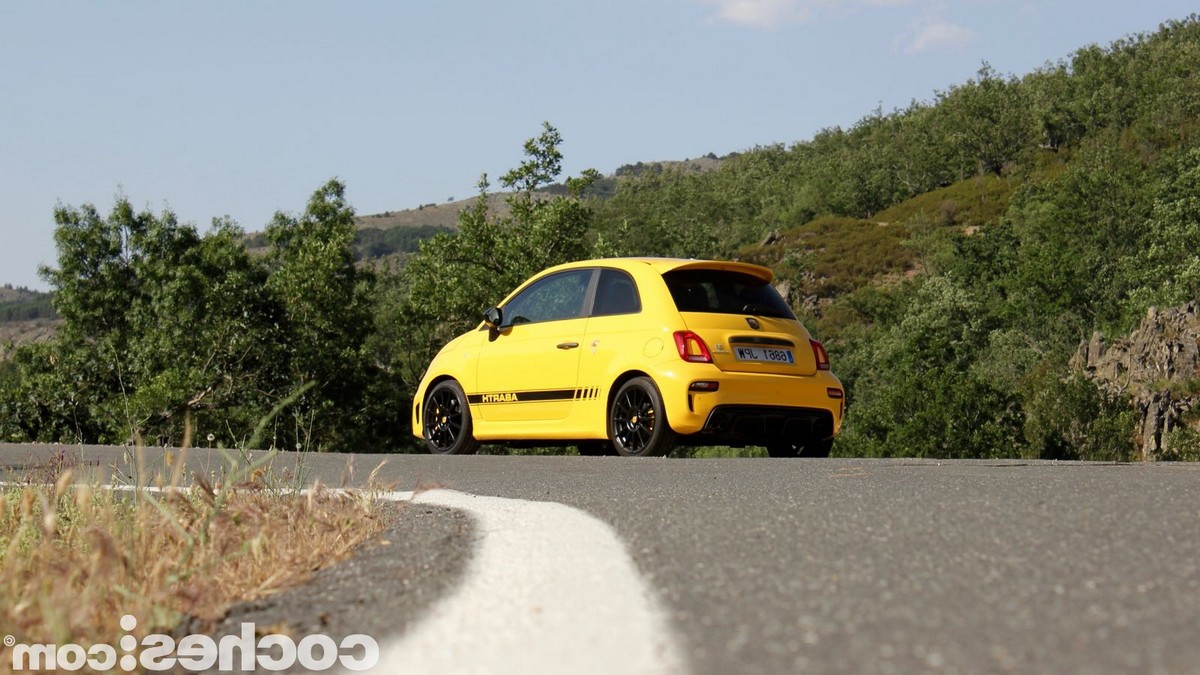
(75, 558)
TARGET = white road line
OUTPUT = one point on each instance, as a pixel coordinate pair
(548, 589)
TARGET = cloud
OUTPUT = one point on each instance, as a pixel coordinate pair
(933, 33)
(772, 14)
(763, 14)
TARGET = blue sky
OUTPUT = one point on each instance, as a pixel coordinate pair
(242, 108)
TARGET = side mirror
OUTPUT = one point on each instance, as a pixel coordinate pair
(493, 317)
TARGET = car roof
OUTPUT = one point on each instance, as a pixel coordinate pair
(664, 265)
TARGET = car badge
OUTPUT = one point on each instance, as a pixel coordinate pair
(753, 322)
(720, 348)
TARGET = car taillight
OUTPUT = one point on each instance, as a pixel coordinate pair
(691, 347)
(820, 355)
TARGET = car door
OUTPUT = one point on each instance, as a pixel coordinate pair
(614, 334)
(528, 367)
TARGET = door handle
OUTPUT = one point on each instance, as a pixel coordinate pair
(568, 345)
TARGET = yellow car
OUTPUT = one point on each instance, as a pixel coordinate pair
(634, 356)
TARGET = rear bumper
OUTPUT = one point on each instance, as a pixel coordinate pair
(760, 424)
(752, 408)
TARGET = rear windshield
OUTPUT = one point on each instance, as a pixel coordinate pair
(722, 292)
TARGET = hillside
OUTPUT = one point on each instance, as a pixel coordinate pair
(384, 240)
(25, 316)
(16, 333)
(445, 215)
(427, 215)
(22, 304)
(10, 295)
(831, 256)
(952, 256)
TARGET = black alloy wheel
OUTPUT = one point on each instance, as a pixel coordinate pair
(447, 421)
(637, 421)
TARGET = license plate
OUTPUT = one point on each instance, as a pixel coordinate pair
(764, 354)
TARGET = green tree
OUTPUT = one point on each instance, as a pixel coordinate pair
(1072, 233)
(165, 330)
(1051, 92)
(70, 382)
(1070, 418)
(455, 276)
(1166, 270)
(326, 313)
(207, 347)
(990, 120)
(918, 392)
(446, 285)
(169, 333)
(44, 399)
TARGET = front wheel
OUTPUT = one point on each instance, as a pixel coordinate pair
(448, 429)
(637, 421)
(811, 448)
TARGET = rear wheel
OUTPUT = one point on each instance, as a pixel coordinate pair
(447, 418)
(811, 448)
(637, 422)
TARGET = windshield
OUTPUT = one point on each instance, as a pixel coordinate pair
(723, 292)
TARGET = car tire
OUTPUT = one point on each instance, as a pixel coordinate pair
(447, 421)
(637, 420)
(811, 448)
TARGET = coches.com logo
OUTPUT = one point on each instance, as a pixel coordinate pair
(157, 652)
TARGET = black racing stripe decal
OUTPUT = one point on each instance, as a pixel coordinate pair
(549, 395)
(521, 396)
(536, 396)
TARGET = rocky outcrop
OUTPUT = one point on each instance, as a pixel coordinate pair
(1156, 367)
(798, 301)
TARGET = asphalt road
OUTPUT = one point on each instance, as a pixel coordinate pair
(867, 566)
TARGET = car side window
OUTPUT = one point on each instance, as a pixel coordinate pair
(616, 293)
(553, 298)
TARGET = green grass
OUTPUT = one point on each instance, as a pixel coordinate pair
(832, 255)
(1179, 388)
(974, 202)
(1182, 445)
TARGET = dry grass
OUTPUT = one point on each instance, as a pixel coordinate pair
(77, 558)
(434, 214)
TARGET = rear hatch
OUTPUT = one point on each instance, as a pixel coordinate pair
(744, 323)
